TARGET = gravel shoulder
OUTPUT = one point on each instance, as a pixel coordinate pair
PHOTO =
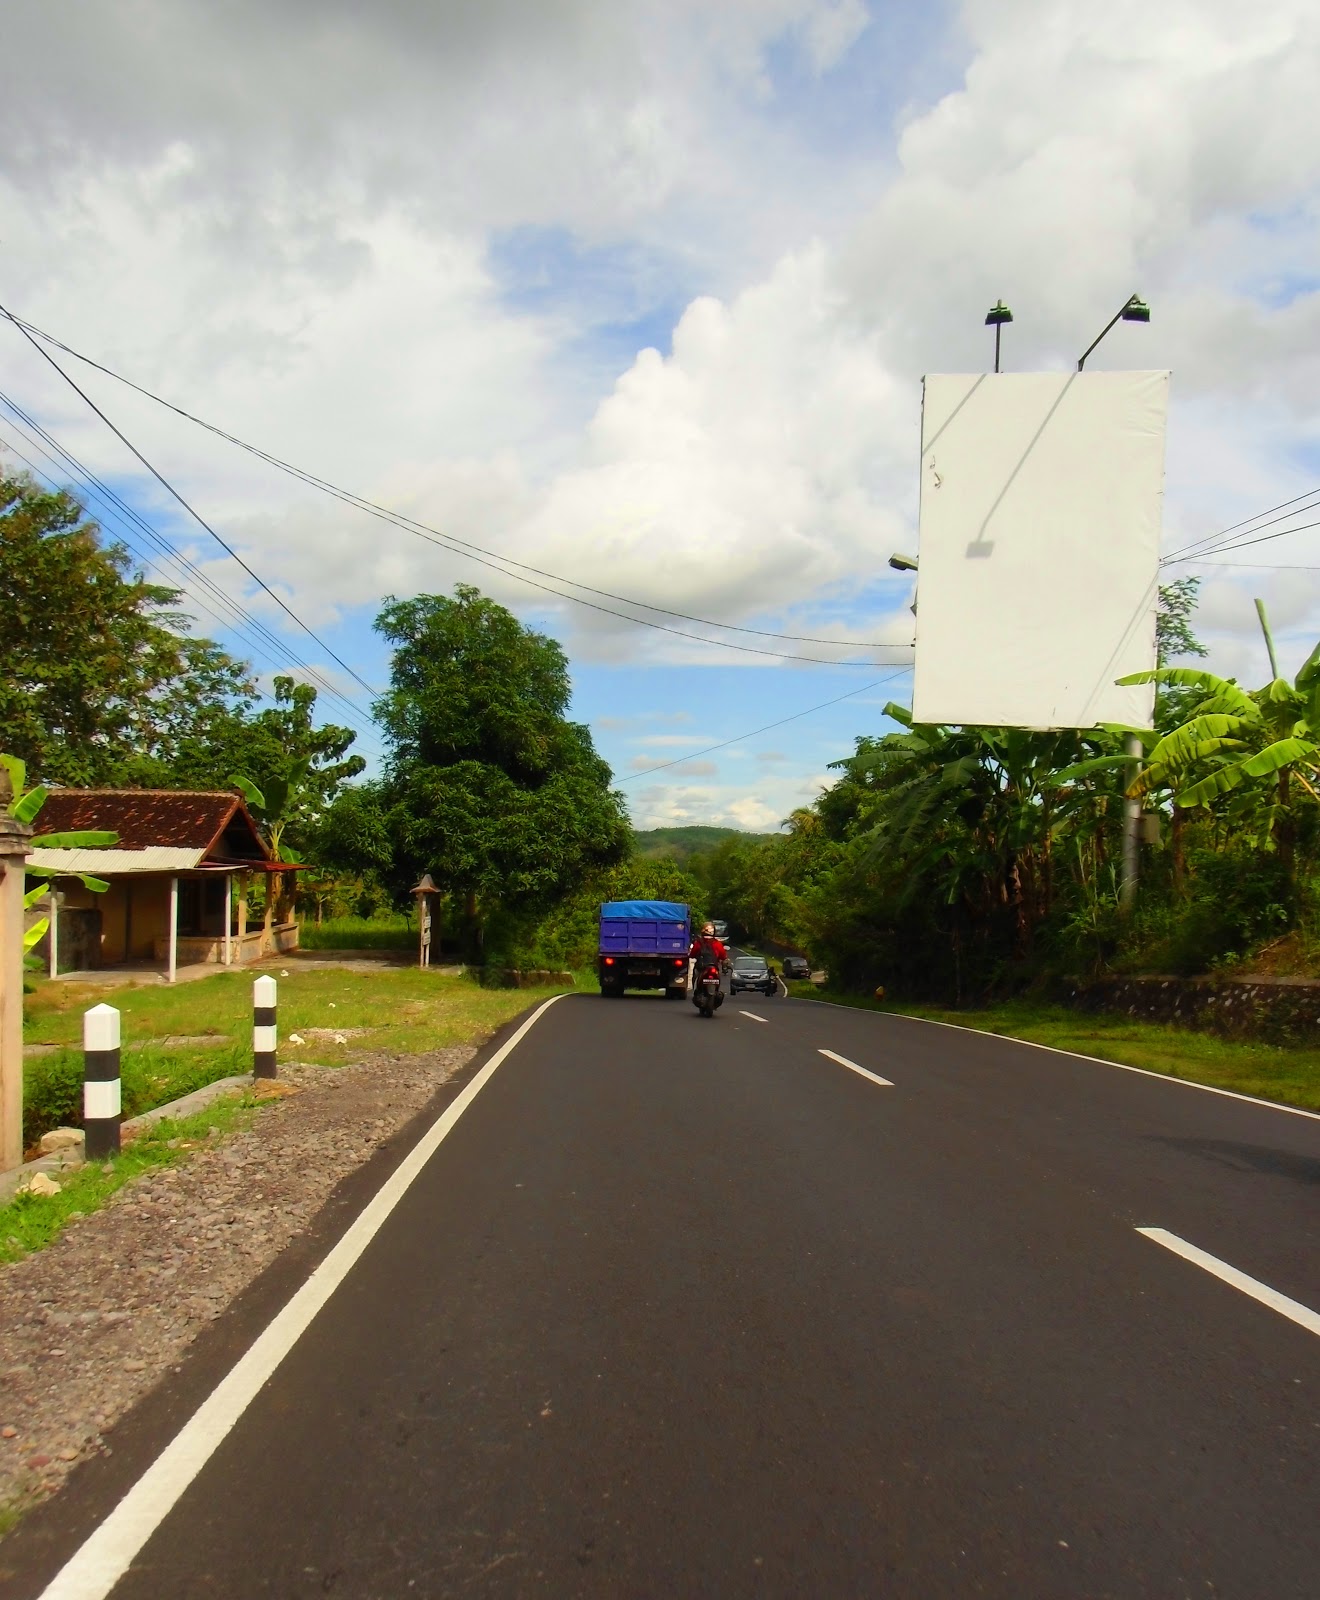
(89, 1325)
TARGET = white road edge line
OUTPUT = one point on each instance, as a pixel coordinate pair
(1054, 1050)
(853, 1067)
(751, 1016)
(97, 1566)
(1294, 1310)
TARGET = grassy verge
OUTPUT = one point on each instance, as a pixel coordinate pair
(359, 933)
(1287, 1074)
(395, 1009)
(30, 1222)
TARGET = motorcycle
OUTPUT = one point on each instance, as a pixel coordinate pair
(707, 995)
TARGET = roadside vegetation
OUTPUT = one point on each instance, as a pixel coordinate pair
(961, 865)
(31, 1222)
(338, 1014)
(1288, 1074)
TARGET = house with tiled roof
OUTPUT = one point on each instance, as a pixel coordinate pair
(178, 880)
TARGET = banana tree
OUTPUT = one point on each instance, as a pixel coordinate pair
(275, 808)
(977, 811)
(1241, 754)
(24, 807)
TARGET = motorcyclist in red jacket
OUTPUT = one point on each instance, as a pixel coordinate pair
(707, 951)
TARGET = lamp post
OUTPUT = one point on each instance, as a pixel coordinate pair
(1133, 309)
(902, 563)
(995, 318)
(424, 890)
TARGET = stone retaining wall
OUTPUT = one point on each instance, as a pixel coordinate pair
(1275, 1010)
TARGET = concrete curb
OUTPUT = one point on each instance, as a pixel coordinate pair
(187, 1105)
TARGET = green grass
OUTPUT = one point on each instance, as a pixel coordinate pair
(30, 1222)
(393, 932)
(398, 1009)
(1287, 1074)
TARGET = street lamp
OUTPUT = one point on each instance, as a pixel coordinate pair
(901, 563)
(995, 318)
(1133, 309)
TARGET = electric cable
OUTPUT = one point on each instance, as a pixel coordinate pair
(119, 509)
(1243, 544)
(169, 580)
(196, 515)
(466, 547)
(694, 755)
(1210, 541)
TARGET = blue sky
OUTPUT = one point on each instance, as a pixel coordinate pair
(643, 296)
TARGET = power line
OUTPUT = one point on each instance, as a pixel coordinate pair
(474, 552)
(1211, 540)
(196, 515)
(171, 581)
(694, 755)
(1245, 544)
(120, 511)
(1257, 566)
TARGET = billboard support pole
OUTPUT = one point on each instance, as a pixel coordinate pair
(1127, 895)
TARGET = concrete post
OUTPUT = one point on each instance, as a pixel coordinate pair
(102, 1086)
(264, 1033)
(229, 911)
(54, 934)
(14, 851)
(174, 927)
(242, 913)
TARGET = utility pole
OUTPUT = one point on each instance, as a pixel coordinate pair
(1127, 894)
(14, 851)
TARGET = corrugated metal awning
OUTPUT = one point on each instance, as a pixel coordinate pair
(112, 863)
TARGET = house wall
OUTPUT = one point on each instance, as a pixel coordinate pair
(136, 907)
(146, 921)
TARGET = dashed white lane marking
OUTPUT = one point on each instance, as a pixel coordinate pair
(751, 1016)
(853, 1067)
(94, 1569)
(1294, 1310)
(1077, 1055)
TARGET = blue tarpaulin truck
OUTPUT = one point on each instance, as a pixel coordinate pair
(644, 945)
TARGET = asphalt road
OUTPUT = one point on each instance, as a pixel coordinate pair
(689, 1308)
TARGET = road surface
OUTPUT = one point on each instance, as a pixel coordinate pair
(800, 1302)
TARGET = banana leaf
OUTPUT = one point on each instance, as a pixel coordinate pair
(27, 806)
(17, 771)
(1275, 757)
(1177, 748)
(1195, 678)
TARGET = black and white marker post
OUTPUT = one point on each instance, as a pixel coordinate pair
(263, 1027)
(102, 1098)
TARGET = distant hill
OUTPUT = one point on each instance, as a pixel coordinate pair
(681, 844)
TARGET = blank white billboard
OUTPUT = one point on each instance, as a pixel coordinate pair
(1041, 499)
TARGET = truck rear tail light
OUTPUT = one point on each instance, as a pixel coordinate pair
(609, 961)
(680, 962)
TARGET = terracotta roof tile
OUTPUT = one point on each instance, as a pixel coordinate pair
(141, 817)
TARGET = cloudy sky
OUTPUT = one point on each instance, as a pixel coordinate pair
(639, 293)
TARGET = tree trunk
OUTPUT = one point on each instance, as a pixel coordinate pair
(1178, 848)
(1284, 831)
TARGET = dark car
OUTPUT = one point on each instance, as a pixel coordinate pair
(797, 967)
(751, 972)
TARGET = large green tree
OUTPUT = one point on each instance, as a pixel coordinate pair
(297, 767)
(488, 785)
(96, 665)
